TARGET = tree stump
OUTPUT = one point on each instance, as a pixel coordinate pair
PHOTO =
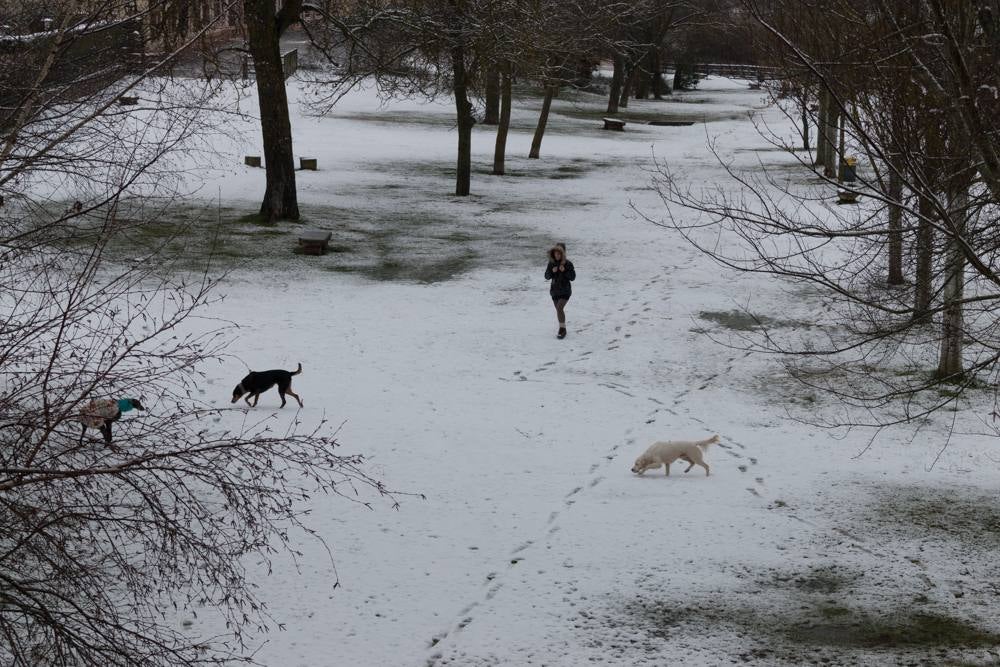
(615, 124)
(308, 163)
(252, 161)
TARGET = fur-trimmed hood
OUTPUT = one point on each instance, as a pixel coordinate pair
(561, 247)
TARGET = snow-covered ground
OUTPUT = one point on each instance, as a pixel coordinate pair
(432, 334)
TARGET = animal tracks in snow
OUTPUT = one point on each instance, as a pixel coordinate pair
(627, 321)
(522, 547)
(494, 579)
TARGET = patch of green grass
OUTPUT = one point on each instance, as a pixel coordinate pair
(950, 514)
(821, 580)
(827, 625)
(269, 232)
(904, 629)
(416, 243)
(401, 118)
(739, 320)
(833, 611)
(254, 219)
(962, 384)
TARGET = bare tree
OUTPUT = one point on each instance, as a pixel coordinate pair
(900, 99)
(503, 125)
(407, 47)
(102, 546)
(265, 25)
(562, 35)
(636, 36)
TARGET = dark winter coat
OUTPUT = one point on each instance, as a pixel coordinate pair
(560, 287)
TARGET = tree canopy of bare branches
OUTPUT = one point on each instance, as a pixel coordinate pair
(910, 89)
(105, 547)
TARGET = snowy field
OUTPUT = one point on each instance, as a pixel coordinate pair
(430, 333)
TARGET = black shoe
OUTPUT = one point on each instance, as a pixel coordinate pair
(562, 333)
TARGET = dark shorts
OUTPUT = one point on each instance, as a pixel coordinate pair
(560, 297)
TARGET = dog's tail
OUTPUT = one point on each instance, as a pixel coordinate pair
(298, 370)
(705, 443)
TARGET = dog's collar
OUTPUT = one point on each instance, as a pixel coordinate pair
(125, 404)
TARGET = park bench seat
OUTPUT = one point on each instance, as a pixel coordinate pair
(847, 197)
(314, 241)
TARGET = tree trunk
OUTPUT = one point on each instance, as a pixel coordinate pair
(617, 81)
(925, 262)
(492, 113)
(503, 127)
(950, 366)
(832, 150)
(841, 147)
(821, 122)
(656, 75)
(280, 197)
(584, 72)
(463, 110)
(681, 72)
(543, 119)
(895, 228)
(805, 120)
(627, 86)
(642, 80)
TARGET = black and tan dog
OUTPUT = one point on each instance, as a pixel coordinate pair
(256, 383)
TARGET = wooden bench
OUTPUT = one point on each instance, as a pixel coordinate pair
(308, 163)
(614, 124)
(314, 241)
(847, 197)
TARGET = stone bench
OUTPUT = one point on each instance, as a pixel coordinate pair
(314, 241)
(847, 197)
(614, 124)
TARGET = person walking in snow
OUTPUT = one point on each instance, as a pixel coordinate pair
(561, 273)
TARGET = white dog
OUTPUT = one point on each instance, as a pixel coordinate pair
(665, 453)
